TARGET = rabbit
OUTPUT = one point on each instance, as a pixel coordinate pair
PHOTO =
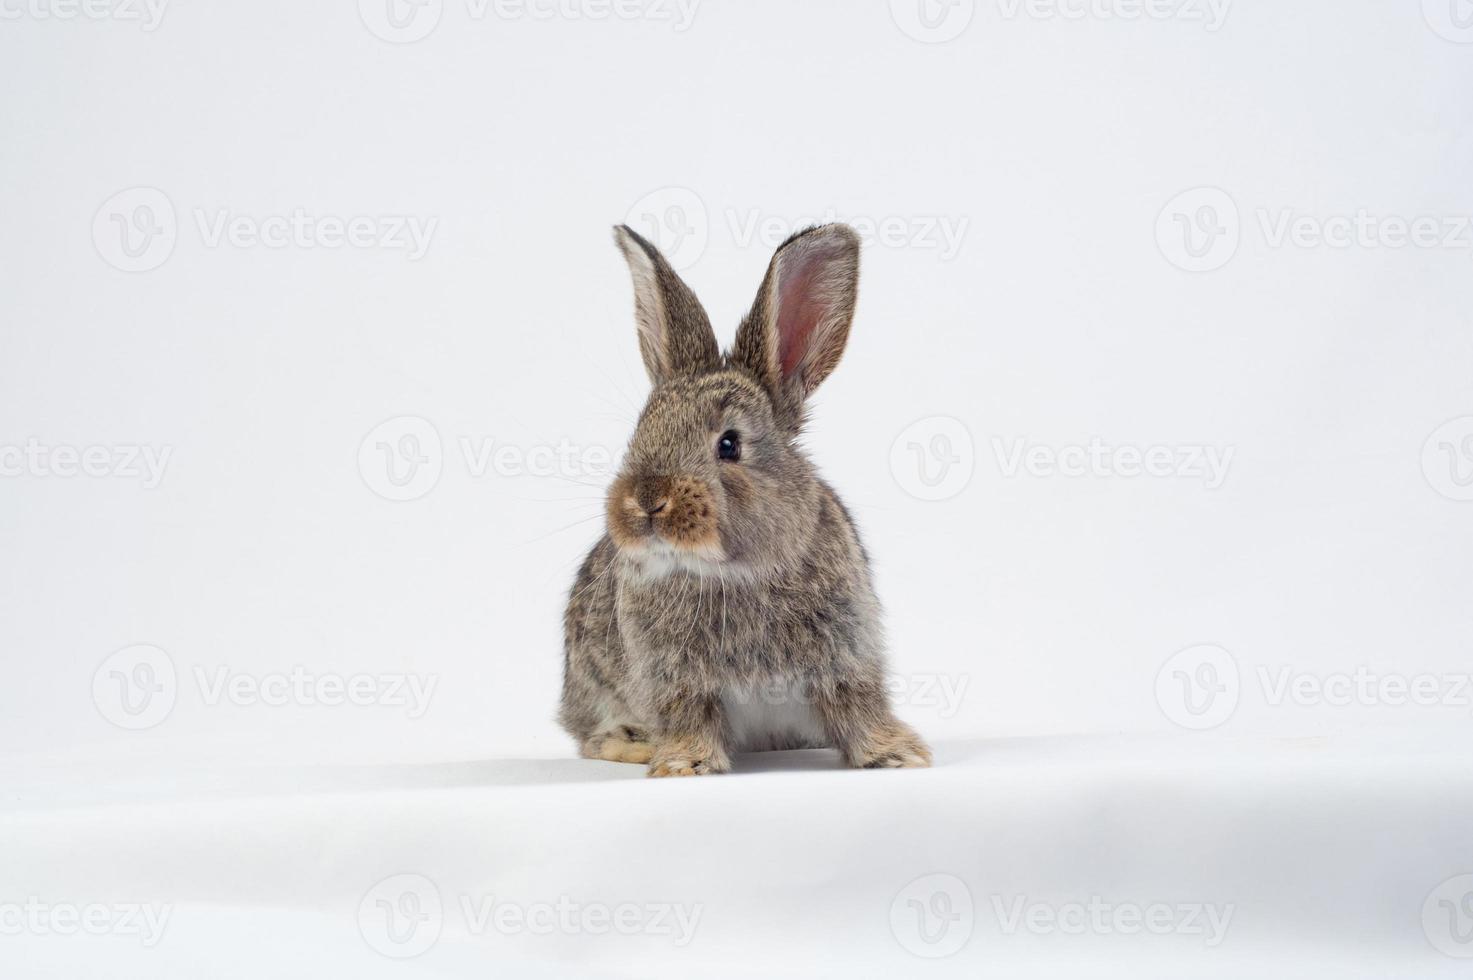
(728, 607)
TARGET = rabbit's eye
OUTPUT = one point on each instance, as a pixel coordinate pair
(729, 446)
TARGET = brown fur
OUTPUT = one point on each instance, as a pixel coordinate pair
(718, 576)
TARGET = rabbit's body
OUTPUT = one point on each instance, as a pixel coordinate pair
(729, 607)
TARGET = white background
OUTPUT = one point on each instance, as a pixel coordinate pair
(1067, 148)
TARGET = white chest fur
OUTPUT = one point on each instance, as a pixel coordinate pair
(778, 714)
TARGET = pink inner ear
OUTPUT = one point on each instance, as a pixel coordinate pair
(800, 304)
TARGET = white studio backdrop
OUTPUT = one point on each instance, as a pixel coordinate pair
(316, 351)
(1157, 417)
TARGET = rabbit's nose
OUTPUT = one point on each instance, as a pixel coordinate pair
(645, 506)
(651, 497)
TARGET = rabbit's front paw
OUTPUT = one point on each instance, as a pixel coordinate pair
(687, 757)
(628, 745)
(895, 747)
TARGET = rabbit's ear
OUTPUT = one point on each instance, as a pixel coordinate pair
(675, 336)
(796, 331)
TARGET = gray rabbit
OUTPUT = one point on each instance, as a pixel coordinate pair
(729, 605)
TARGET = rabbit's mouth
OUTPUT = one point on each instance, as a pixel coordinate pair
(656, 559)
